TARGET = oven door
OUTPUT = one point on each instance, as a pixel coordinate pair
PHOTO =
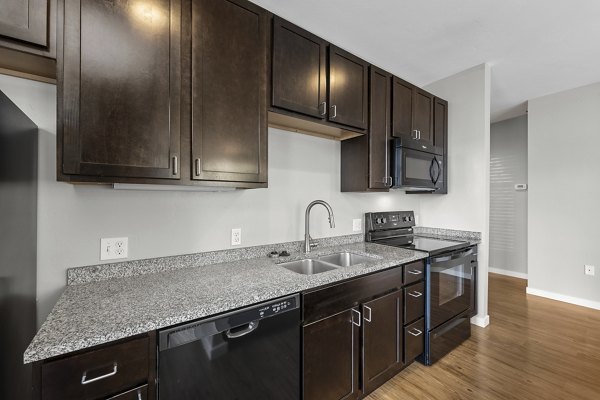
(417, 170)
(451, 279)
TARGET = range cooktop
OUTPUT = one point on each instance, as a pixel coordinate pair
(394, 228)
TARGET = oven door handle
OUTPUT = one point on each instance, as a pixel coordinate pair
(452, 257)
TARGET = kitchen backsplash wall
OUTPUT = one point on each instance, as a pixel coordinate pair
(73, 218)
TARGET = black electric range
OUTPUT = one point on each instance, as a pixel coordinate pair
(450, 279)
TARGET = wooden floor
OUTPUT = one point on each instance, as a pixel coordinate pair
(534, 348)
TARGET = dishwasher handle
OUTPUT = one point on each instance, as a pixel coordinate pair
(234, 333)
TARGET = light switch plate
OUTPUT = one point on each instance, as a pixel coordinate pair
(114, 248)
(357, 225)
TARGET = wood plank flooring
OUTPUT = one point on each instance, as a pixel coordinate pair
(534, 348)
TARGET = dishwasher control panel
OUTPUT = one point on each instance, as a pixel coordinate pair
(276, 308)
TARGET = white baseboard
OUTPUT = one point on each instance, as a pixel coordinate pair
(566, 299)
(481, 321)
(520, 275)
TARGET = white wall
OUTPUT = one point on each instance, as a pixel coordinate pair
(73, 218)
(564, 195)
(508, 207)
(466, 206)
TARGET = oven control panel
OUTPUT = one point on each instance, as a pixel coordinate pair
(389, 220)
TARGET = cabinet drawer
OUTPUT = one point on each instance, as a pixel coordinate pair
(97, 373)
(414, 272)
(414, 340)
(139, 393)
(414, 302)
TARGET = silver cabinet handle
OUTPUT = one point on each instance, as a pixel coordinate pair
(359, 317)
(85, 381)
(419, 135)
(367, 308)
(324, 105)
(334, 108)
(175, 166)
(418, 333)
(415, 272)
(416, 134)
(139, 394)
(415, 294)
(197, 166)
(391, 181)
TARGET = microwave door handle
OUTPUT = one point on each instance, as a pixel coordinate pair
(431, 171)
(439, 171)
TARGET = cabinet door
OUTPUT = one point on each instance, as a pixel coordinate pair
(25, 21)
(331, 357)
(348, 89)
(402, 109)
(440, 138)
(423, 115)
(299, 70)
(379, 127)
(229, 73)
(119, 97)
(382, 339)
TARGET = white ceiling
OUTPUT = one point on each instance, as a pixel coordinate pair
(535, 47)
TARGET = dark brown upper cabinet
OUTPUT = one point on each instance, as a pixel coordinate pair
(119, 97)
(25, 21)
(382, 340)
(365, 159)
(316, 82)
(412, 115)
(299, 68)
(440, 136)
(230, 41)
(348, 88)
(28, 38)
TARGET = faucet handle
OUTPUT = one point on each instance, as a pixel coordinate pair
(313, 243)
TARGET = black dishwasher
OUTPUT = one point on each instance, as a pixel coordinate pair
(252, 353)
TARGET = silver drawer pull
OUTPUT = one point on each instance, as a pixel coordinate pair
(324, 107)
(415, 294)
(359, 317)
(175, 165)
(197, 167)
(367, 308)
(418, 332)
(139, 394)
(85, 381)
(334, 108)
(415, 272)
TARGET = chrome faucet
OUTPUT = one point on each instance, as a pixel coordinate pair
(308, 243)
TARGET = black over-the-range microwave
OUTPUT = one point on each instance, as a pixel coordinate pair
(415, 170)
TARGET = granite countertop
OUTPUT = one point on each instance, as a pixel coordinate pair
(98, 312)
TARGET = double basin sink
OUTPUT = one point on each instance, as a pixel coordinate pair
(311, 266)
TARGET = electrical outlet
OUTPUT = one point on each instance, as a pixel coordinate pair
(416, 219)
(357, 225)
(114, 248)
(236, 236)
(590, 270)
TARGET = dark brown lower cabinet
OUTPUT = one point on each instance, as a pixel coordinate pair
(331, 357)
(357, 327)
(124, 370)
(382, 339)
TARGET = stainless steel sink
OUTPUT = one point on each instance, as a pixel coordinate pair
(308, 266)
(345, 259)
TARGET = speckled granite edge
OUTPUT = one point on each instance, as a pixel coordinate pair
(447, 233)
(102, 272)
(113, 309)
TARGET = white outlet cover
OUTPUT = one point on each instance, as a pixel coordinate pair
(357, 225)
(236, 236)
(114, 248)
